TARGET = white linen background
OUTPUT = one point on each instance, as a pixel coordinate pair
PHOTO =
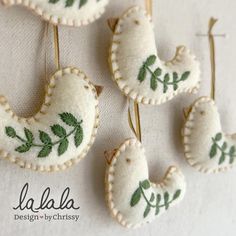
(209, 206)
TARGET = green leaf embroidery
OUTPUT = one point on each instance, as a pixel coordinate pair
(23, 148)
(82, 3)
(151, 60)
(153, 83)
(152, 198)
(54, 1)
(135, 197)
(10, 132)
(185, 75)
(142, 74)
(167, 81)
(45, 151)
(78, 136)
(69, 119)
(218, 137)
(222, 158)
(152, 201)
(145, 184)
(158, 72)
(213, 151)
(58, 131)
(70, 3)
(147, 210)
(158, 200)
(222, 149)
(166, 200)
(29, 136)
(44, 137)
(177, 194)
(63, 147)
(47, 143)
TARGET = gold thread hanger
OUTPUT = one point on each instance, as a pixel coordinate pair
(98, 88)
(112, 22)
(211, 39)
(56, 47)
(137, 129)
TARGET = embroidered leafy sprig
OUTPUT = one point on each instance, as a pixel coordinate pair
(47, 144)
(158, 76)
(70, 3)
(154, 201)
(224, 149)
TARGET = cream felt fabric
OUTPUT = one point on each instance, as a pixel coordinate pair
(206, 147)
(59, 13)
(127, 170)
(133, 43)
(69, 91)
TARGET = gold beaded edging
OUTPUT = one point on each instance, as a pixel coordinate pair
(49, 91)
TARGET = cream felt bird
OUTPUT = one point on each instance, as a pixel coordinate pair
(207, 148)
(132, 199)
(61, 133)
(64, 12)
(139, 72)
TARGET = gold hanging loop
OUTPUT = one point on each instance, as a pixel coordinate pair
(212, 22)
(46, 51)
(149, 7)
(137, 129)
(56, 47)
(211, 39)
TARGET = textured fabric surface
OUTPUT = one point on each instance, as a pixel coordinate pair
(137, 69)
(133, 200)
(207, 147)
(34, 142)
(209, 205)
(73, 13)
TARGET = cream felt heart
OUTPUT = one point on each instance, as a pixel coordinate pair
(137, 69)
(61, 133)
(206, 146)
(65, 12)
(132, 199)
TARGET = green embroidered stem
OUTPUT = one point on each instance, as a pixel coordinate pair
(47, 143)
(42, 145)
(70, 3)
(231, 153)
(156, 76)
(139, 192)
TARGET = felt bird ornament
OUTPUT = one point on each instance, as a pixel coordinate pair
(207, 148)
(132, 199)
(64, 12)
(61, 133)
(137, 69)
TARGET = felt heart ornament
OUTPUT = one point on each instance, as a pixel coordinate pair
(132, 199)
(64, 12)
(61, 133)
(137, 69)
(207, 148)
